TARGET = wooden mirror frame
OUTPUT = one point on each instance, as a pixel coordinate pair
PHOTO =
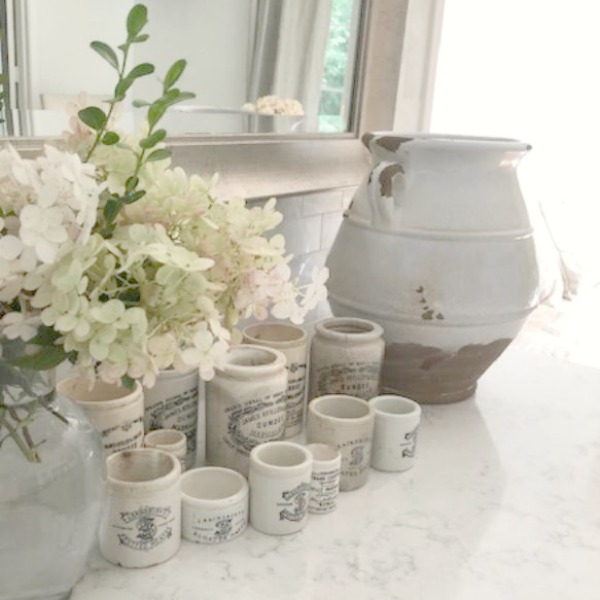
(274, 165)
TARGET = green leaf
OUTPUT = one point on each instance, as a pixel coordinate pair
(139, 38)
(131, 183)
(173, 74)
(93, 117)
(155, 112)
(184, 96)
(122, 87)
(110, 138)
(136, 20)
(140, 71)
(131, 296)
(45, 336)
(140, 103)
(48, 358)
(106, 52)
(127, 382)
(159, 154)
(134, 197)
(111, 209)
(153, 139)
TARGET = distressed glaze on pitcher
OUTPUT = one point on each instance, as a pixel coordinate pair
(437, 247)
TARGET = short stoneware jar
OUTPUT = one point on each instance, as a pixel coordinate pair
(395, 435)
(173, 403)
(325, 478)
(170, 440)
(346, 357)
(141, 522)
(115, 411)
(245, 405)
(345, 422)
(292, 341)
(279, 487)
(214, 505)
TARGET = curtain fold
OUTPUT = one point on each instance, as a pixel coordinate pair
(288, 52)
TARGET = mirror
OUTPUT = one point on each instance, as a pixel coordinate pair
(299, 54)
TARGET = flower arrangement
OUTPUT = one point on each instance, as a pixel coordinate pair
(116, 261)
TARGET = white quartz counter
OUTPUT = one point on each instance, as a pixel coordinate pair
(504, 504)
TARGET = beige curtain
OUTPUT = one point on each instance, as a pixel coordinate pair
(287, 52)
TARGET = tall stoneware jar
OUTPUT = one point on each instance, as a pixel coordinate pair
(437, 247)
(173, 403)
(245, 405)
(346, 357)
(292, 342)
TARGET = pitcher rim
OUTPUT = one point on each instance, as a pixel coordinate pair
(445, 141)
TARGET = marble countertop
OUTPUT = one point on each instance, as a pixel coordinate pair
(504, 503)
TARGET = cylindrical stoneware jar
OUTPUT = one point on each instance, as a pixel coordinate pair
(346, 355)
(292, 341)
(345, 422)
(279, 487)
(170, 440)
(141, 523)
(214, 505)
(245, 405)
(115, 411)
(438, 248)
(172, 403)
(395, 434)
(325, 478)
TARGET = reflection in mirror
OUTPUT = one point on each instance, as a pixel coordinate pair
(256, 66)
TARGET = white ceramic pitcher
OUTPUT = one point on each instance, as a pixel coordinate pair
(438, 248)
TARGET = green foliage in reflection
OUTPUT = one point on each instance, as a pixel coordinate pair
(336, 65)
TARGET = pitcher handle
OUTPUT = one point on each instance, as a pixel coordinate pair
(384, 178)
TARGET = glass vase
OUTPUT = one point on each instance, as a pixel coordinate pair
(51, 487)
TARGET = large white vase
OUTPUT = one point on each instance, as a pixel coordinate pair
(438, 248)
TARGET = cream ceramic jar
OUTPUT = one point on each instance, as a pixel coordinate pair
(245, 405)
(292, 341)
(346, 356)
(141, 522)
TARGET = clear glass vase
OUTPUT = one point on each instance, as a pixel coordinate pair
(51, 487)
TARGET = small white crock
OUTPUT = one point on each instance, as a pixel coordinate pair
(141, 522)
(325, 478)
(346, 357)
(293, 342)
(345, 422)
(245, 405)
(395, 436)
(170, 440)
(214, 505)
(115, 411)
(173, 402)
(279, 487)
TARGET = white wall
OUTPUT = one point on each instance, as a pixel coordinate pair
(60, 58)
(211, 35)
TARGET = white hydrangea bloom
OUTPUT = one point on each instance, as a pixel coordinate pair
(47, 205)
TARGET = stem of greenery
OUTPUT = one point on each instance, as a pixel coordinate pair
(96, 119)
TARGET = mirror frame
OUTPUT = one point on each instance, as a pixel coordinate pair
(274, 165)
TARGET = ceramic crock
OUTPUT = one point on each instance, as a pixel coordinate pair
(438, 248)
(245, 405)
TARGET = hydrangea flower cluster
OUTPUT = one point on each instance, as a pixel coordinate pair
(47, 206)
(111, 258)
(164, 291)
